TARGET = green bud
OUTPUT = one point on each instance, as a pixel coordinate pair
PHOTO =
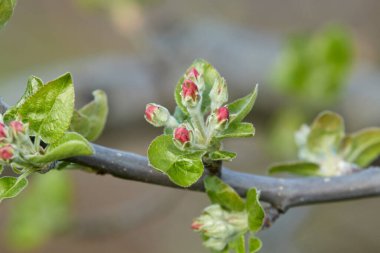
(220, 226)
(218, 93)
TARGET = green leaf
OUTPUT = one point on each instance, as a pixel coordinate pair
(34, 84)
(223, 194)
(297, 168)
(183, 167)
(238, 244)
(221, 155)
(6, 10)
(69, 145)
(364, 147)
(256, 213)
(50, 109)
(238, 129)
(44, 210)
(255, 245)
(1, 168)
(313, 70)
(90, 120)
(10, 187)
(209, 75)
(326, 133)
(240, 108)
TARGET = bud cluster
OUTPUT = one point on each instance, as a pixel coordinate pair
(15, 143)
(219, 226)
(196, 132)
(330, 163)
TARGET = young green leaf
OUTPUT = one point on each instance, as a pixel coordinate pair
(240, 108)
(69, 145)
(238, 244)
(6, 10)
(34, 84)
(364, 147)
(255, 245)
(184, 168)
(298, 168)
(222, 194)
(326, 133)
(221, 155)
(256, 213)
(10, 187)
(50, 109)
(90, 120)
(238, 129)
(44, 210)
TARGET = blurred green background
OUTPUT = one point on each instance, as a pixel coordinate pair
(307, 56)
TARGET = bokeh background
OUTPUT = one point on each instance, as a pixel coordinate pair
(306, 55)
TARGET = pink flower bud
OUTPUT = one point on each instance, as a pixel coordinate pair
(182, 135)
(149, 111)
(196, 226)
(3, 131)
(6, 152)
(222, 114)
(156, 115)
(189, 90)
(17, 126)
(193, 73)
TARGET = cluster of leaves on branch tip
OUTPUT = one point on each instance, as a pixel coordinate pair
(192, 139)
(40, 130)
(325, 149)
(193, 134)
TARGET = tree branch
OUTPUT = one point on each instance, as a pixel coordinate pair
(279, 192)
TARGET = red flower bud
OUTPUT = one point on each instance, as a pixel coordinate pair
(156, 115)
(193, 73)
(17, 126)
(149, 111)
(3, 131)
(182, 135)
(189, 90)
(6, 152)
(196, 226)
(222, 114)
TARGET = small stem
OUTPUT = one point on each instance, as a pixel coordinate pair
(24, 175)
(37, 142)
(214, 167)
(197, 120)
(172, 122)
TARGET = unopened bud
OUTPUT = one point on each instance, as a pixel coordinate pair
(182, 135)
(156, 115)
(220, 226)
(190, 93)
(222, 114)
(6, 152)
(218, 93)
(3, 131)
(17, 126)
(193, 73)
(218, 119)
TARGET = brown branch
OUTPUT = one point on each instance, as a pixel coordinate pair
(279, 192)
